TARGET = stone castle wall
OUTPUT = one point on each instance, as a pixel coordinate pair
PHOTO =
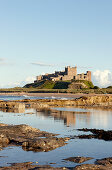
(69, 74)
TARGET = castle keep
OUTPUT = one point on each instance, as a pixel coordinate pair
(68, 74)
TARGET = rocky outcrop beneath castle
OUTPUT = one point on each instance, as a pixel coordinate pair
(77, 85)
(31, 139)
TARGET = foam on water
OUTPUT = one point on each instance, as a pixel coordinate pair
(13, 97)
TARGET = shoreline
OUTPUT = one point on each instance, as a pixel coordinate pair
(71, 100)
(69, 95)
(30, 165)
(66, 95)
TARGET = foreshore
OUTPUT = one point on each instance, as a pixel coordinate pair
(60, 100)
(69, 95)
(35, 140)
(66, 95)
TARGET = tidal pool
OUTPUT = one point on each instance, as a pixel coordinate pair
(65, 122)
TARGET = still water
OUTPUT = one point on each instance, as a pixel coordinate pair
(65, 122)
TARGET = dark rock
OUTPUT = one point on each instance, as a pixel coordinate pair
(105, 161)
(78, 159)
(90, 167)
(101, 164)
(29, 166)
(99, 134)
(44, 144)
(29, 138)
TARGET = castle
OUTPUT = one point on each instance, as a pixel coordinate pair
(68, 74)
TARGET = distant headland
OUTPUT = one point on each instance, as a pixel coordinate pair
(67, 79)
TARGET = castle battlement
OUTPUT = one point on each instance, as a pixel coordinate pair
(68, 74)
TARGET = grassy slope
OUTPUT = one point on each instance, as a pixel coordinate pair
(57, 87)
(48, 85)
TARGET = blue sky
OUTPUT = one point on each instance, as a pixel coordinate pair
(55, 33)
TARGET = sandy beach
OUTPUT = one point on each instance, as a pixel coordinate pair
(66, 95)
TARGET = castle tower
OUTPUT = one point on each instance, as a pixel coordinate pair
(89, 75)
(71, 71)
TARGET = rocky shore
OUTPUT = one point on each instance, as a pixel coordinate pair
(91, 101)
(96, 133)
(104, 100)
(30, 139)
(101, 164)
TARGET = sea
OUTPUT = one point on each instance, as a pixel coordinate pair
(66, 123)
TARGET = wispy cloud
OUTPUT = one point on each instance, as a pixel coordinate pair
(5, 62)
(102, 78)
(1, 59)
(43, 64)
(13, 84)
(30, 79)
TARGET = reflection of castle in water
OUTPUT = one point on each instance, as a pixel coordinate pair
(98, 117)
(69, 117)
(95, 116)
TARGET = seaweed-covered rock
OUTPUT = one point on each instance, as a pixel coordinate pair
(101, 164)
(29, 166)
(78, 159)
(29, 138)
(90, 167)
(99, 134)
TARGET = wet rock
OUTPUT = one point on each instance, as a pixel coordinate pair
(93, 100)
(45, 144)
(99, 134)
(4, 141)
(30, 113)
(29, 166)
(90, 167)
(101, 164)
(31, 139)
(105, 161)
(78, 159)
(12, 105)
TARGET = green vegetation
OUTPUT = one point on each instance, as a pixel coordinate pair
(59, 87)
(35, 85)
(109, 87)
(36, 90)
(96, 87)
(48, 84)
